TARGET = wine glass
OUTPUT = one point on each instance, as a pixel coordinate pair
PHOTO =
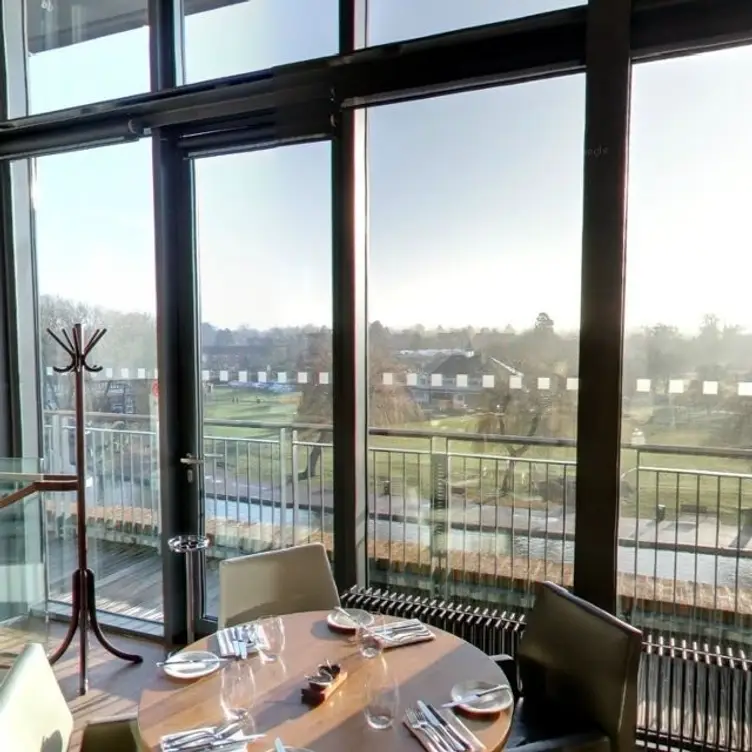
(369, 645)
(237, 692)
(382, 696)
(271, 629)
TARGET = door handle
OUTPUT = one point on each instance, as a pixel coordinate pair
(191, 462)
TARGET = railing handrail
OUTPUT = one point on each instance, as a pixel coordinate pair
(417, 433)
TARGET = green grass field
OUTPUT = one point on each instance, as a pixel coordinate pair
(408, 464)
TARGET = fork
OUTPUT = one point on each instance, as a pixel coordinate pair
(416, 722)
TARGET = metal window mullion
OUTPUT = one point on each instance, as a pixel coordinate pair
(349, 328)
(178, 361)
(178, 356)
(165, 44)
(602, 313)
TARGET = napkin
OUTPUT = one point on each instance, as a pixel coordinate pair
(421, 633)
(227, 636)
(427, 744)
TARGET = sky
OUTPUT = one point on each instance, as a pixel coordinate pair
(475, 199)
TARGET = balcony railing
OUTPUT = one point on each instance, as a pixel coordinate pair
(451, 515)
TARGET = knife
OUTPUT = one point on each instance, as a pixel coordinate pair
(477, 695)
(342, 612)
(441, 730)
(466, 745)
(191, 661)
(278, 746)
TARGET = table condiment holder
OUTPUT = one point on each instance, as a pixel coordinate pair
(323, 683)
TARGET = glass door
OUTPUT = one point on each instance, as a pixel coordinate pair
(263, 240)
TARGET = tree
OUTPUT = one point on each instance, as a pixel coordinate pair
(389, 404)
(544, 323)
(664, 359)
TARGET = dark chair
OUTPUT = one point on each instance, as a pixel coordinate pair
(574, 678)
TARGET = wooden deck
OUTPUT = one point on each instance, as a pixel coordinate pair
(114, 686)
(129, 578)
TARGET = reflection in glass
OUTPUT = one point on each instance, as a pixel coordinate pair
(474, 337)
(94, 250)
(686, 489)
(396, 20)
(84, 52)
(264, 245)
(240, 37)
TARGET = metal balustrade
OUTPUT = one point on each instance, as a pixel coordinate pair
(500, 524)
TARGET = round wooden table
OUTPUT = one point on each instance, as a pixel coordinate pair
(424, 671)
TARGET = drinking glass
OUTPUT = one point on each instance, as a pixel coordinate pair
(382, 696)
(368, 644)
(272, 633)
(237, 692)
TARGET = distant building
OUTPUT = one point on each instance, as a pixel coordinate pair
(458, 381)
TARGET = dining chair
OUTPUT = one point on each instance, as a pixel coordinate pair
(34, 716)
(574, 678)
(274, 583)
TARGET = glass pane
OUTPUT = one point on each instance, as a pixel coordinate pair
(395, 20)
(474, 311)
(83, 52)
(685, 556)
(264, 241)
(95, 265)
(239, 37)
(22, 573)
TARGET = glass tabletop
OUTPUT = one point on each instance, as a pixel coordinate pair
(17, 473)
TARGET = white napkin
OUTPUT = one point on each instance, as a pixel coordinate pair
(226, 648)
(421, 634)
(226, 638)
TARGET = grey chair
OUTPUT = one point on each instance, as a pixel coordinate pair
(574, 678)
(275, 583)
(34, 716)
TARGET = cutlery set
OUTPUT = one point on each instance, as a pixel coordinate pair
(394, 633)
(436, 733)
(238, 642)
(402, 633)
(210, 739)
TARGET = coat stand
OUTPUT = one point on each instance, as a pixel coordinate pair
(84, 606)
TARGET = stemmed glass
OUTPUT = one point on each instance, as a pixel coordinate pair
(271, 630)
(238, 692)
(382, 695)
(369, 645)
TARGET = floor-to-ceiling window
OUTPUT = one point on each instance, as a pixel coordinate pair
(474, 334)
(94, 246)
(264, 242)
(685, 561)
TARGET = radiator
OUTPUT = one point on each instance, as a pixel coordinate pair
(691, 696)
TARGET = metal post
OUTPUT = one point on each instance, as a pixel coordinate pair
(189, 546)
(190, 605)
(282, 488)
(602, 317)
